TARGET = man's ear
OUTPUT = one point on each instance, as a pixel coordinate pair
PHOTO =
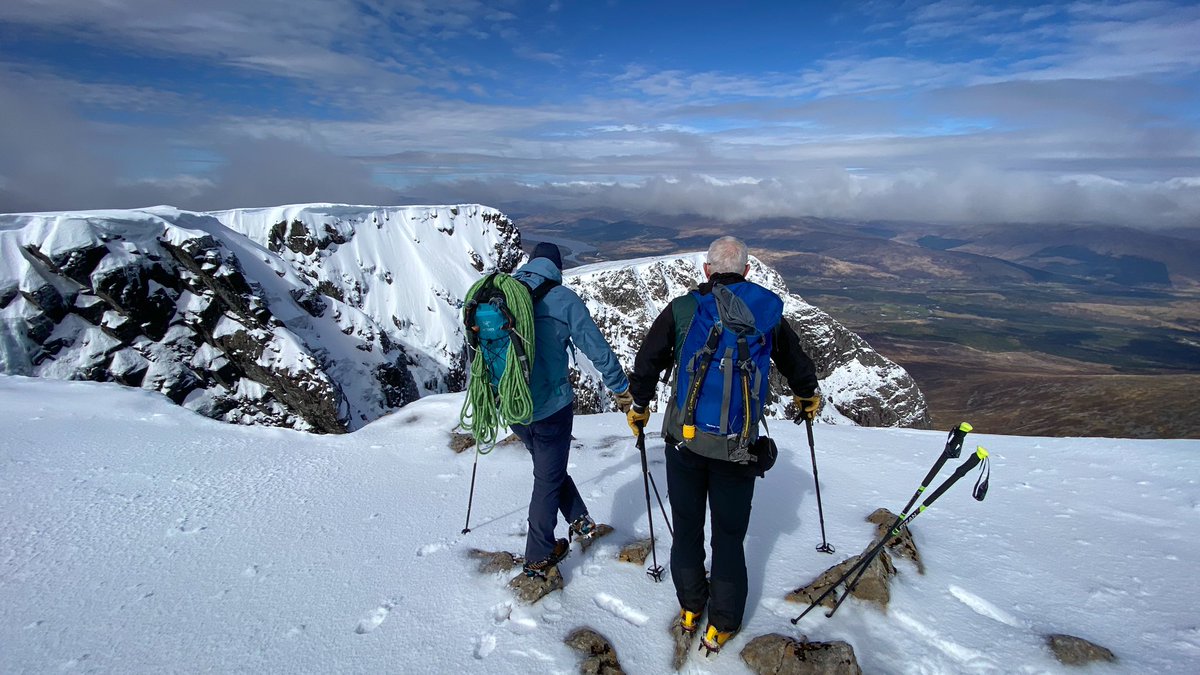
(746, 272)
(707, 270)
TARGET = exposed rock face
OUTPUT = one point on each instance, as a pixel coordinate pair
(776, 654)
(599, 656)
(1074, 651)
(635, 552)
(858, 383)
(287, 317)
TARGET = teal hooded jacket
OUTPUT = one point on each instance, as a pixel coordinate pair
(559, 319)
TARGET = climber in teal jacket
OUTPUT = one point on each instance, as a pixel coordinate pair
(560, 319)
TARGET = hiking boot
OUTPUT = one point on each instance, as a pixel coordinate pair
(582, 527)
(539, 569)
(714, 639)
(689, 621)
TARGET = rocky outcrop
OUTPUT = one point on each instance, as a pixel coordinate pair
(599, 656)
(901, 545)
(872, 587)
(858, 383)
(776, 654)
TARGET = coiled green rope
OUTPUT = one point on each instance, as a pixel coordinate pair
(487, 408)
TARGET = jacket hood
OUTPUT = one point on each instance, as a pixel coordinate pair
(542, 267)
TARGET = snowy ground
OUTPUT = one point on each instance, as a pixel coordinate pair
(136, 536)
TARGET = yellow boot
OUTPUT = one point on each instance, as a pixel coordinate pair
(689, 621)
(714, 639)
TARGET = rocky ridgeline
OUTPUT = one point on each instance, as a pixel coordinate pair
(324, 317)
(858, 383)
(254, 316)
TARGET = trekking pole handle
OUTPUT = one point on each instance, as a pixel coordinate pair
(961, 471)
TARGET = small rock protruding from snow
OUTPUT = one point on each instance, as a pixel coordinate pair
(776, 654)
(902, 545)
(492, 562)
(1075, 651)
(531, 589)
(873, 586)
(599, 656)
(635, 552)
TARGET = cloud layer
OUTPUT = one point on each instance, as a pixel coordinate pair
(942, 111)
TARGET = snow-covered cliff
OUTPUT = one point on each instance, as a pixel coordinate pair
(319, 317)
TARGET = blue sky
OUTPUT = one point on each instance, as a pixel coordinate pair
(949, 110)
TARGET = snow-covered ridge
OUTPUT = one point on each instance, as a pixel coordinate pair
(860, 385)
(324, 317)
(317, 316)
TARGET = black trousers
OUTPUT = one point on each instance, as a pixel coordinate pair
(549, 443)
(726, 489)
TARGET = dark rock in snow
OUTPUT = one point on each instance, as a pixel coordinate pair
(776, 654)
(1074, 651)
(635, 552)
(492, 562)
(873, 587)
(460, 442)
(901, 546)
(531, 589)
(599, 656)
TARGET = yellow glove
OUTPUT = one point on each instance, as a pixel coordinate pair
(808, 405)
(624, 401)
(637, 418)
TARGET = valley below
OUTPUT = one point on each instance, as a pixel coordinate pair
(1035, 331)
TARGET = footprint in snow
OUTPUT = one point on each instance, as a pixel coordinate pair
(484, 645)
(374, 619)
(430, 549)
(615, 606)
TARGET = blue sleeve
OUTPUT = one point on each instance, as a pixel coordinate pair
(588, 338)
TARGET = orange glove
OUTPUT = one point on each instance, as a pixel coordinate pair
(808, 405)
(637, 418)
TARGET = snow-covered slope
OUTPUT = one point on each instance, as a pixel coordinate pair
(136, 536)
(860, 385)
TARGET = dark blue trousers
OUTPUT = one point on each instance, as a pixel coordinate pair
(695, 485)
(549, 443)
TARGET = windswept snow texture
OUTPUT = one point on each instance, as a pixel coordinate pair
(136, 536)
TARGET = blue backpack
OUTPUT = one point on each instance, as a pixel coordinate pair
(723, 363)
(490, 323)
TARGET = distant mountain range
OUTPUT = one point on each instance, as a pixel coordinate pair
(324, 317)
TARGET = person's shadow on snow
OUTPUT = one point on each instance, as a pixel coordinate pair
(778, 497)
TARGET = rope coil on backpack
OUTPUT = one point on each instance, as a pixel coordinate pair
(487, 408)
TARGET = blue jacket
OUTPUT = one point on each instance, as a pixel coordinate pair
(558, 318)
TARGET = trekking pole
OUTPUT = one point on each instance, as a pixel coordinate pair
(471, 498)
(980, 455)
(824, 546)
(655, 571)
(952, 450)
(660, 504)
